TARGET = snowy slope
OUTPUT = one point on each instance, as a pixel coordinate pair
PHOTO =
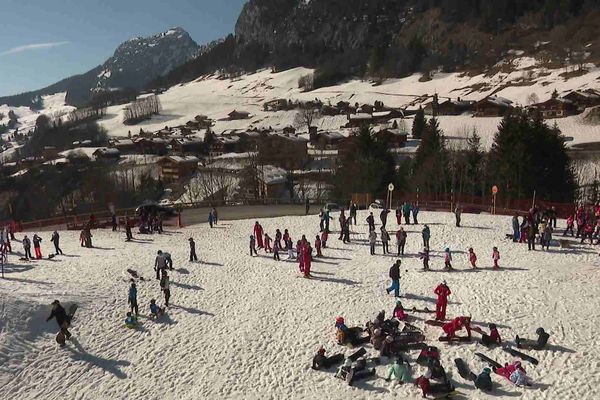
(217, 97)
(247, 328)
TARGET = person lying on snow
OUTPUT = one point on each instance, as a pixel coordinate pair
(351, 373)
(436, 390)
(456, 325)
(320, 361)
(539, 344)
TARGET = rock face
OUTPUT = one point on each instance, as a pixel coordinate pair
(134, 63)
(139, 60)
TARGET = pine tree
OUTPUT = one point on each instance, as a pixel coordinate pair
(419, 124)
(430, 164)
(527, 156)
(475, 173)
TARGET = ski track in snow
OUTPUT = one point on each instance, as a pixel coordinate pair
(242, 327)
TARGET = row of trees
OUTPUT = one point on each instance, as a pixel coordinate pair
(141, 109)
(527, 155)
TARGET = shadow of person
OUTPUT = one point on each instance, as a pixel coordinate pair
(194, 311)
(108, 365)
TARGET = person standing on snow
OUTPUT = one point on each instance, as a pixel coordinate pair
(211, 220)
(401, 240)
(193, 256)
(278, 238)
(27, 248)
(406, 208)
(442, 291)
(426, 233)
(399, 215)
(372, 241)
(165, 286)
(415, 214)
(495, 257)
(472, 257)
(37, 246)
(132, 298)
(371, 222)
(307, 259)
(383, 217)
(515, 226)
(457, 214)
(253, 246)
(395, 277)
(385, 239)
(113, 220)
(258, 234)
(353, 209)
(160, 264)
(56, 240)
(276, 251)
(448, 259)
(570, 226)
(346, 236)
(324, 237)
(318, 246)
(128, 234)
(267, 242)
(342, 221)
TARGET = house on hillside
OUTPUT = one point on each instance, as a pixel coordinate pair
(325, 140)
(125, 146)
(289, 130)
(107, 154)
(386, 115)
(176, 168)
(449, 107)
(493, 106)
(153, 145)
(237, 115)
(276, 105)
(583, 99)
(396, 137)
(358, 120)
(187, 146)
(554, 108)
(223, 145)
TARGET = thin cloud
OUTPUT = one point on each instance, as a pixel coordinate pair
(34, 46)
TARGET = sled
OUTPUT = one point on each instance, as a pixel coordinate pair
(491, 362)
(521, 355)
(463, 370)
(425, 310)
(455, 339)
(433, 322)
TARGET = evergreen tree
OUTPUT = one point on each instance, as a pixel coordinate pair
(419, 124)
(474, 165)
(527, 156)
(430, 164)
(366, 167)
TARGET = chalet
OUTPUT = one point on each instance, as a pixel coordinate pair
(358, 120)
(237, 115)
(50, 153)
(107, 153)
(276, 105)
(449, 107)
(583, 99)
(223, 145)
(125, 146)
(386, 115)
(286, 151)
(492, 106)
(290, 130)
(152, 145)
(325, 140)
(175, 168)
(396, 137)
(554, 108)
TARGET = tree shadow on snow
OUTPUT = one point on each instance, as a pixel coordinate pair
(108, 365)
(16, 268)
(27, 281)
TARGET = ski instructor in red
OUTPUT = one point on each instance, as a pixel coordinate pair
(258, 234)
(442, 292)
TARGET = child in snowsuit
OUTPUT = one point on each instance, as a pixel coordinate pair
(324, 237)
(401, 240)
(307, 259)
(399, 371)
(130, 321)
(253, 246)
(372, 241)
(300, 255)
(36, 246)
(426, 233)
(276, 251)
(492, 338)
(448, 259)
(290, 249)
(278, 238)
(318, 246)
(472, 258)
(495, 257)
(385, 238)
(424, 255)
(484, 380)
(132, 298)
(456, 325)
(155, 310)
(442, 291)
(56, 241)
(193, 256)
(398, 312)
(267, 244)
(320, 361)
(570, 226)
(166, 287)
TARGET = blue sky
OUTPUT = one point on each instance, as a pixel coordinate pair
(44, 41)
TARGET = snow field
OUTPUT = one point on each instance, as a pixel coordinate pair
(242, 327)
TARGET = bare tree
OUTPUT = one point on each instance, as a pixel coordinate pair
(306, 116)
(533, 98)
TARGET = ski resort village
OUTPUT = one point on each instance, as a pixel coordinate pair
(294, 199)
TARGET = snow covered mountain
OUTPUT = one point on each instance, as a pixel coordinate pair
(133, 64)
